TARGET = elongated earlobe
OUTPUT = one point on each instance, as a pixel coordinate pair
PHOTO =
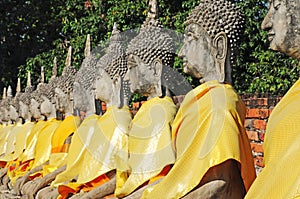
(118, 91)
(220, 43)
(157, 70)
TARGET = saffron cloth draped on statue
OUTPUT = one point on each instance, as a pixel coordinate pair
(149, 144)
(62, 132)
(281, 151)
(77, 150)
(18, 142)
(25, 160)
(208, 130)
(104, 149)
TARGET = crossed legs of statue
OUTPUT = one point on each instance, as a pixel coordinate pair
(25, 178)
(32, 187)
(98, 192)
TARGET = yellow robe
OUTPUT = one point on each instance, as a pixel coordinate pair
(11, 141)
(43, 146)
(77, 150)
(280, 178)
(4, 133)
(149, 143)
(28, 154)
(17, 142)
(27, 157)
(62, 132)
(208, 130)
(105, 147)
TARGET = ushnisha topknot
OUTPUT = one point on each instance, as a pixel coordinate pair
(26, 96)
(114, 62)
(86, 74)
(153, 41)
(217, 16)
(15, 101)
(66, 80)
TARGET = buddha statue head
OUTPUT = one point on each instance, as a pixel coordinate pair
(112, 67)
(43, 96)
(213, 30)
(48, 108)
(35, 103)
(14, 107)
(64, 89)
(4, 107)
(283, 25)
(25, 99)
(84, 83)
(150, 58)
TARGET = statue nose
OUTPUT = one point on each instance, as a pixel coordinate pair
(181, 52)
(267, 24)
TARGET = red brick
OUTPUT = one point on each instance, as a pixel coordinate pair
(257, 147)
(258, 160)
(249, 123)
(252, 135)
(136, 105)
(262, 101)
(259, 124)
(103, 106)
(263, 113)
(252, 113)
(246, 102)
(261, 136)
(257, 113)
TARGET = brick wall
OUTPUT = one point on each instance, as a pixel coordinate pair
(259, 108)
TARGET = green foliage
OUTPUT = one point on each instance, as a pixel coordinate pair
(33, 32)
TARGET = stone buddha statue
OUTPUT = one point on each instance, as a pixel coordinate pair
(100, 148)
(280, 175)
(61, 137)
(25, 99)
(7, 126)
(16, 141)
(42, 104)
(84, 84)
(213, 154)
(150, 60)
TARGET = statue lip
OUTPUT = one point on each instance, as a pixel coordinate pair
(271, 36)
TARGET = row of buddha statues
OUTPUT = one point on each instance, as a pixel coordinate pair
(197, 150)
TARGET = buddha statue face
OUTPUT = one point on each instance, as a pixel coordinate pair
(84, 100)
(62, 100)
(144, 78)
(201, 56)
(12, 113)
(104, 86)
(24, 110)
(213, 30)
(35, 109)
(47, 107)
(4, 114)
(283, 25)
